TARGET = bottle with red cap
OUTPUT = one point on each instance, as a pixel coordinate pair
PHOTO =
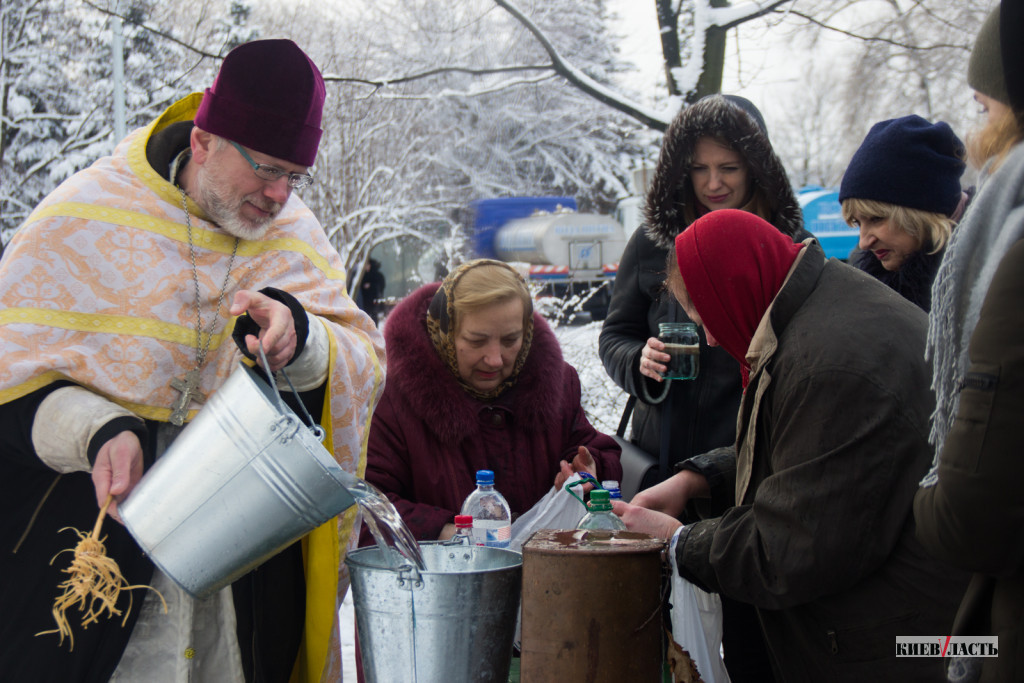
(463, 530)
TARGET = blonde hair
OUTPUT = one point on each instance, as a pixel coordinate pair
(994, 140)
(485, 286)
(929, 228)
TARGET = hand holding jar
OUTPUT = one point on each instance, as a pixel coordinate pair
(682, 344)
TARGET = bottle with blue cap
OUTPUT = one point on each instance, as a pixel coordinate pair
(492, 518)
(612, 487)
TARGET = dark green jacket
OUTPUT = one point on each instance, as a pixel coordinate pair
(831, 443)
(974, 516)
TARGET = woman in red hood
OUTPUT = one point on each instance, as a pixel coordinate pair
(733, 269)
(812, 520)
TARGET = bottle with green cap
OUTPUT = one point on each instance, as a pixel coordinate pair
(600, 515)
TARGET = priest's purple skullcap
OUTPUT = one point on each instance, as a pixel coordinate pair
(268, 96)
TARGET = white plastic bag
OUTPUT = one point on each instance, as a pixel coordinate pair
(559, 509)
(697, 624)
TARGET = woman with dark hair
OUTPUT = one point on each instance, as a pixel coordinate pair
(715, 155)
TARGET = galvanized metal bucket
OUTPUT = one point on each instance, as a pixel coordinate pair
(245, 479)
(454, 621)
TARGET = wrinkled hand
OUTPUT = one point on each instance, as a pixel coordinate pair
(671, 496)
(117, 470)
(653, 359)
(277, 329)
(646, 521)
(583, 462)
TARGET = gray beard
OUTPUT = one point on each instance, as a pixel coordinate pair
(226, 217)
(242, 230)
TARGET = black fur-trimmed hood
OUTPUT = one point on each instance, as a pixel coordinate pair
(715, 116)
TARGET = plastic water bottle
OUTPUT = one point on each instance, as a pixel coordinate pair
(492, 519)
(600, 515)
(463, 530)
(612, 487)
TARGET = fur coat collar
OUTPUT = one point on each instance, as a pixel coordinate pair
(421, 379)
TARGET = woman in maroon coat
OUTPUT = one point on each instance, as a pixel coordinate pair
(476, 381)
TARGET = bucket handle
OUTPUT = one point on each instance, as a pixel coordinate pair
(585, 478)
(317, 430)
(409, 577)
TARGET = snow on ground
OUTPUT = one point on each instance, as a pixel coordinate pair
(602, 400)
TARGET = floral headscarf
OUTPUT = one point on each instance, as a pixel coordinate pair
(441, 314)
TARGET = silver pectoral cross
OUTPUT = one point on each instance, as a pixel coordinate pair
(189, 388)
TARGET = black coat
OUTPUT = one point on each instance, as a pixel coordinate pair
(913, 280)
(704, 410)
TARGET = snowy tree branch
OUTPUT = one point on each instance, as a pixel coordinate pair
(878, 39)
(734, 15)
(475, 92)
(152, 29)
(580, 80)
(384, 82)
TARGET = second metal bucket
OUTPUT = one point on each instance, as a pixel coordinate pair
(245, 479)
(455, 621)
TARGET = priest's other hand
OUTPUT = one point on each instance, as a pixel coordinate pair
(117, 469)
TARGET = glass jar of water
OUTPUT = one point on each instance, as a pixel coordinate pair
(682, 343)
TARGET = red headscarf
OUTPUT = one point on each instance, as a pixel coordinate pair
(733, 264)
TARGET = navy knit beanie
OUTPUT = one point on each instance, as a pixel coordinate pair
(907, 162)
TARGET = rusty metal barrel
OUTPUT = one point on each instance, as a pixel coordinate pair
(591, 607)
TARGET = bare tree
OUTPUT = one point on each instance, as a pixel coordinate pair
(407, 149)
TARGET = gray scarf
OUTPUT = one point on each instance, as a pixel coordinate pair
(993, 223)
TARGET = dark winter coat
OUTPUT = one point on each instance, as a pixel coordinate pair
(832, 440)
(913, 280)
(429, 437)
(972, 518)
(703, 410)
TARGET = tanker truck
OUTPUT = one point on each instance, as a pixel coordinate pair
(571, 256)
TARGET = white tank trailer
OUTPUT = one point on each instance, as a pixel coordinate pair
(581, 241)
(570, 254)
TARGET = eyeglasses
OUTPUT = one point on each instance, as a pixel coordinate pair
(296, 181)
